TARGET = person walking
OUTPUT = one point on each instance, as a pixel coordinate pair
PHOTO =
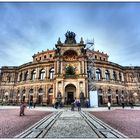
(123, 103)
(131, 103)
(22, 108)
(34, 104)
(30, 104)
(109, 105)
(72, 106)
(87, 103)
(79, 105)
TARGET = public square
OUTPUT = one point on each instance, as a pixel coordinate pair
(48, 122)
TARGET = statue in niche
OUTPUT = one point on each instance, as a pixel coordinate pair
(82, 99)
(59, 99)
(70, 38)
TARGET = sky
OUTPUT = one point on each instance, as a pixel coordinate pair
(28, 28)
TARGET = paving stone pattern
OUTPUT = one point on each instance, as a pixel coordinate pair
(70, 124)
(126, 121)
(12, 124)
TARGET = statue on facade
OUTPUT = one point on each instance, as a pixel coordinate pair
(83, 51)
(70, 38)
(59, 41)
(82, 98)
(59, 99)
(57, 51)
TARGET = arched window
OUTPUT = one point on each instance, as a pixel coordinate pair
(31, 90)
(23, 91)
(109, 95)
(51, 73)
(98, 74)
(40, 90)
(109, 92)
(99, 91)
(33, 75)
(20, 77)
(50, 91)
(100, 96)
(117, 96)
(114, 76)
(8, 78)
(50, 96)
(120, 77)
(26, 76)
(42, 74)
(107, 75)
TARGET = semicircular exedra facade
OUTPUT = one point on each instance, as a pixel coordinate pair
(70, 72)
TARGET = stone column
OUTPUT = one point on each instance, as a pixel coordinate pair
(103, 74)
(83, 70)
(29, 76)
(23, 75)
(86, 67)
(122, 76)
(47, 72)
(57, 66)
(61, 69)
(80, 67)
(111, 74)
(37, 73)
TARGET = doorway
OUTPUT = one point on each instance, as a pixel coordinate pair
(70, 93)
(100, 100)
(40, 99)
(50, 98)
(109, 99)
(70, 97)
(117, 100)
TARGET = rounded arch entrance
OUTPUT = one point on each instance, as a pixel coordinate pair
(70, 93)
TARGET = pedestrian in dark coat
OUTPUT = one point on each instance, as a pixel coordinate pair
(56, 105)
(22, 108)
(30, 104)
(34, 104)
(72, 106)
(79, 105)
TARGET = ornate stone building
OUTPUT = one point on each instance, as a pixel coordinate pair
(69, 72)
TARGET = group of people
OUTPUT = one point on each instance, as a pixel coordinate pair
(77, 104)
(123, 104)
(32, 104)
(74, 104)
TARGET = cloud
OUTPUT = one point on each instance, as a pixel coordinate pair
(32, 27)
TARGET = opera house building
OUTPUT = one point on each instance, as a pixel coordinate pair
(70, 72)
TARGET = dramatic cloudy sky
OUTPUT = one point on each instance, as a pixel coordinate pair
(26, 28)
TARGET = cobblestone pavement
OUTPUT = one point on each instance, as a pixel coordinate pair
(12, 124)
(126, 121)
(70, 124)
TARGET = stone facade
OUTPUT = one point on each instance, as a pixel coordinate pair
(69, 72)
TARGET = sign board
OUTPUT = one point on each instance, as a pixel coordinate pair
(93, 96)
